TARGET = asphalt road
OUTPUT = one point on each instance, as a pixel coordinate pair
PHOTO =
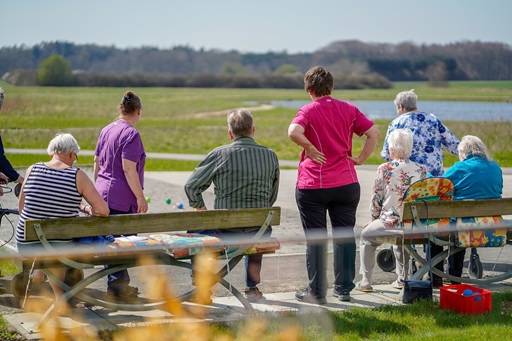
(282, 272)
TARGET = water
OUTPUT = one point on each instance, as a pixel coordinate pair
(444, 110)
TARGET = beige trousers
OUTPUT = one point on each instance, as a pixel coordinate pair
(371, 238)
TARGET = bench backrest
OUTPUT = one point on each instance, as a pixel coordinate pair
(125, 224)
(459, 208)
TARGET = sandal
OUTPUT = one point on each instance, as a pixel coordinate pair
(359, 287)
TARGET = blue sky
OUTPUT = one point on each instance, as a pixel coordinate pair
(255, 25)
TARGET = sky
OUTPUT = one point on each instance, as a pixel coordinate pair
(258, 26)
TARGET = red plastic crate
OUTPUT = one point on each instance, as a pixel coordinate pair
(452, 298)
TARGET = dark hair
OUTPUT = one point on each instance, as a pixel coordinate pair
(129, 103)
(319, 81)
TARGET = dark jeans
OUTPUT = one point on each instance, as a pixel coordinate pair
(434, 251)
(341, 204)
(456, 263)
(252, 262)
(117, 281)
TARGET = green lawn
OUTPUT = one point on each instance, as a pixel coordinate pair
(170, 121)
(420, 321)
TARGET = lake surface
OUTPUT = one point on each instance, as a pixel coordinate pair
(446, 111)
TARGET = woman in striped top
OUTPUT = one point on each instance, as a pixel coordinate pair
(55, 189)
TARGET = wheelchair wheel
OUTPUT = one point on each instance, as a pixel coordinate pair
(386, 260)
(73, 276)
(475, 268)
(18, 288)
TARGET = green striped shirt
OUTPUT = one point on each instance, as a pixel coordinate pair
(245, 175)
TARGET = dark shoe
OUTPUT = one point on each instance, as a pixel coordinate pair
(305, 296)
(343, 295)
(437, 282)
(253, 294)
(127, 295)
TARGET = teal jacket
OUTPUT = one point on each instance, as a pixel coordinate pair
(476, 178)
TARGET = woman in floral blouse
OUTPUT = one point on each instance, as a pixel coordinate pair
(392, 180)
(430, 135)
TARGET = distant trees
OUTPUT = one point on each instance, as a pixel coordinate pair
(179, 65)
(54, 71)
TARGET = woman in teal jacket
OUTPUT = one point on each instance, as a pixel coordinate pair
(475, 176)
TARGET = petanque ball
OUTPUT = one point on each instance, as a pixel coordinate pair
(168, 201)
(179, 205)
(467, 292)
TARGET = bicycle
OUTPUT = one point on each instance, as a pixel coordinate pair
(3, 213)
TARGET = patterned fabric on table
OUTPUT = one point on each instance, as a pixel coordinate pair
(429, 189)
(183, 245)
(132, 241)
(486, 237)
(269, 245)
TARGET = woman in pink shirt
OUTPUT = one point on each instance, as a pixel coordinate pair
(327, 182)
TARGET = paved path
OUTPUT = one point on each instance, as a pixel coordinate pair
(282, 274)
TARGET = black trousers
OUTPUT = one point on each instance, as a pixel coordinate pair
(341, 205)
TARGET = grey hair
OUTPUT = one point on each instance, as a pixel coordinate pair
(400, 141)
(240, 123)
(472, 145)
(407, 99)
(2, 96)
(63, 143)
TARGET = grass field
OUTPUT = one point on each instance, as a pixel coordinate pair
(191, 120)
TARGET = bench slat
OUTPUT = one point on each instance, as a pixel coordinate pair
(126, 224)
(459, 208)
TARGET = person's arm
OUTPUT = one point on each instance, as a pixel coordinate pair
(385, 147)
(449, 140)
(377, 195)
(6, 167)
(132, 177)
(296, 134)
(372, 137)
(21, 198)
(200, 180)
(96, 205)
(96, 168)
(275, 184)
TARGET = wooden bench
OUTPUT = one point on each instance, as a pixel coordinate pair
(162, 253)
(427, 216)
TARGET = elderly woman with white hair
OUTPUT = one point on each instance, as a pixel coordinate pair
(55, 189)
(392, 180)
(475, 176)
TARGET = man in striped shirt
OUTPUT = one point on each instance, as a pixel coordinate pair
(245, 174)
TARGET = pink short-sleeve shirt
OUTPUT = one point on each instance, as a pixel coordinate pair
(330, 124)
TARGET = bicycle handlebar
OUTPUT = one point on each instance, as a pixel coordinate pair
(4, 211)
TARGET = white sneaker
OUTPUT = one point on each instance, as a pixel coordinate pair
(398, 284)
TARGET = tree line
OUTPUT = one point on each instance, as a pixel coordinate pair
(355, 64)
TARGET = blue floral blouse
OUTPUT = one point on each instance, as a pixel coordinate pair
(430, 134)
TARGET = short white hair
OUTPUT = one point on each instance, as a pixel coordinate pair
(407, 99)
(470, 144)
(400, 141)
(63, 143)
